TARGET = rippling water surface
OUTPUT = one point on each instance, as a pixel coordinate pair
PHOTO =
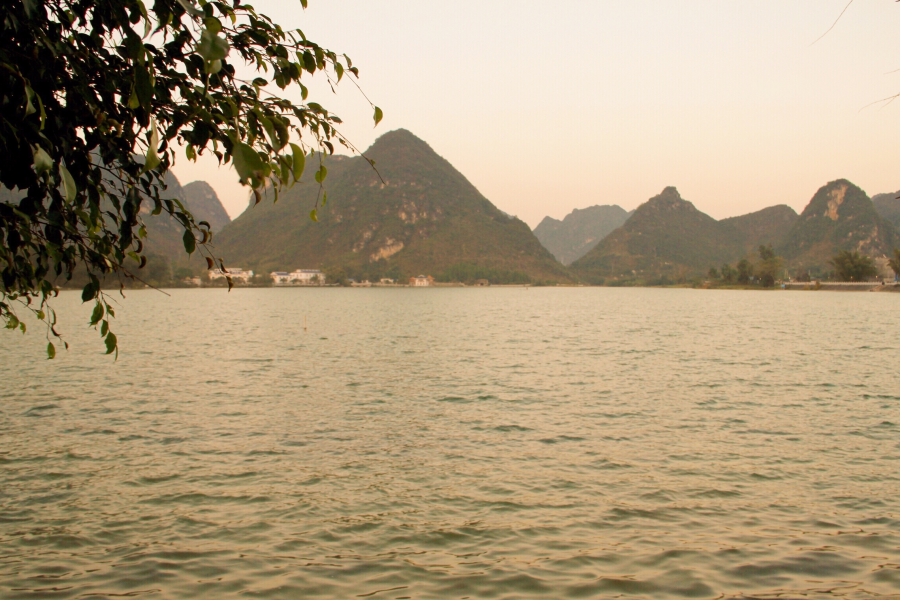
(457, 443)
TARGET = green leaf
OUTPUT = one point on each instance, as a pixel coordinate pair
(299, 161)
(190, 242)
(190, 8)
(324, 198)
(309, 62)
(246, 161)
(43, 112)
(29, 105)
(151, 161)
(269, 129)
(88, 292)
(147, 25)
(104, 327)
(133, 101)
(213, 24)
(143, 86)
(378, 116)
(281, 132)
(111, 343)
(51, 351)
(42, 161)
(211, 46)
(68, 183)
(314, 215)
(321, 174)
(97, 314)
(339, 69)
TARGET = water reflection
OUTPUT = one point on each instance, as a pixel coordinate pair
(453, 443)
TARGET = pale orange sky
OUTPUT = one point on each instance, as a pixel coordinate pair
(550, 106)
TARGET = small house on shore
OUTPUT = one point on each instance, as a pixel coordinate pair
(421, 281)
(237, 275)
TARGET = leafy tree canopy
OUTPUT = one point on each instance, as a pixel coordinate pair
(96, 95)
(744, 271)
(851, 266)
(769, 265)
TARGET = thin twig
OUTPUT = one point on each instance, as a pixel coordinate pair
(833, 24)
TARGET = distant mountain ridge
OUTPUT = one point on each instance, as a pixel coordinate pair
(570, 239)
(665, 239)
(416, 215)
(764, 227)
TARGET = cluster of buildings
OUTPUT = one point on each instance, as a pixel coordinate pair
(298, 277)
(302, 277)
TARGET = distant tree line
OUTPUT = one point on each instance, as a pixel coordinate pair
(848, 266)
(765, 270)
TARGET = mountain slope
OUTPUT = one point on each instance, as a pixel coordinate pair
(570, 239)
(839, 217)
(762, 228)
(666, 239)
(423, 218)
(888, 207)
(205, 205)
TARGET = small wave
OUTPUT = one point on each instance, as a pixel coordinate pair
(762, 477)
(160, 479)
(561, 438)
(37, 411)
(715, 493)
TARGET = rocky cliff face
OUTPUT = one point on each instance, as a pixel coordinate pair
(840, 216)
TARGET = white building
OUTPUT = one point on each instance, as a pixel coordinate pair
(421, 281)
(298, 277)
(237, 275)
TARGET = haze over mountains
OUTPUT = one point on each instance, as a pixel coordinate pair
(419, 215)
(570, 239)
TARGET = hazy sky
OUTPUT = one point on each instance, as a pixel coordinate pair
(550, 106)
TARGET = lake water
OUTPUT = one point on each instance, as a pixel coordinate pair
(457, 443)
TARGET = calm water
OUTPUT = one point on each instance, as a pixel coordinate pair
(457, 443)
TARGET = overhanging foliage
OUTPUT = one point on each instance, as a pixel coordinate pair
(95, 97)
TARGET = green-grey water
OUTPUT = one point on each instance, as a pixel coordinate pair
(456, 443)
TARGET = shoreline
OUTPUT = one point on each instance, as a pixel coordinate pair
(793, 286)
